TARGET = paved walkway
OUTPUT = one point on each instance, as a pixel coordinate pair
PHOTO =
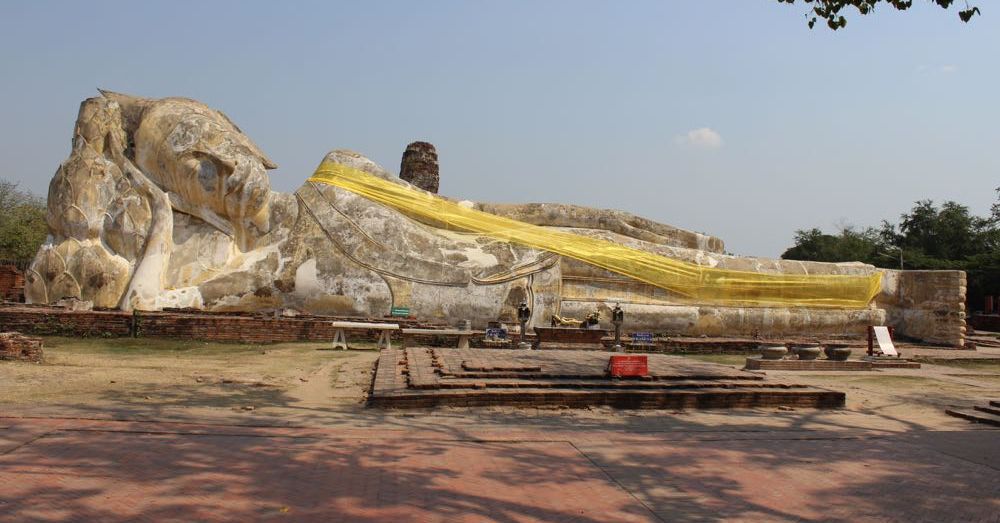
(55, 469)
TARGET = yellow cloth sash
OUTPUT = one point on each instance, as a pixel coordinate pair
(689, 282)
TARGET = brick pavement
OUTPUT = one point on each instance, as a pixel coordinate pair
(87, 470)
(96, 475)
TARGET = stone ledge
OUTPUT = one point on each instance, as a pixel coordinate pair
(830, 365)
(852, 365)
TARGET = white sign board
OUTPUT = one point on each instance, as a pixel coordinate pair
(885, 341)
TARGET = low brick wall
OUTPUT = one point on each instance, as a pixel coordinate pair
(184, 325)
(737, 346)
(60, 322)
(695, 345)
(761, 364)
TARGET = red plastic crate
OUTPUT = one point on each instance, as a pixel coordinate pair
(628, 366)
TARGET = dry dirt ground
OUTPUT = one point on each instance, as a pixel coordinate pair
(307, 384)
(153, 375)
(161, 430)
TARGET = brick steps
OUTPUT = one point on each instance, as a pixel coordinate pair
(989, 409)
(638, 399)
(548, 375)
(421, 378)
(605, 383)
(989, 415)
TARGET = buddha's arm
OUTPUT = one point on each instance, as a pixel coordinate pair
(620, 222)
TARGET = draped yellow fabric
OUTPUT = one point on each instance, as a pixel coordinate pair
(689, 282)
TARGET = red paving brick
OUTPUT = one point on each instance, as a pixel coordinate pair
(70, 470)
(815, 480)
(114, 476)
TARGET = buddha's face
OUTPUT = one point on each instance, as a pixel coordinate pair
(206, 161)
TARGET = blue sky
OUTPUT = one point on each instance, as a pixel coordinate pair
(725, 117)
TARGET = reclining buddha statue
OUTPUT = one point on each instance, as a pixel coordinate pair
(165, 203)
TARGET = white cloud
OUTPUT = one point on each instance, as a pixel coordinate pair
(938, 69)
(703, 138)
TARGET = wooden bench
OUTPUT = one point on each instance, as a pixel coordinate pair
(463, 335)
(569, 338)
(385, 331)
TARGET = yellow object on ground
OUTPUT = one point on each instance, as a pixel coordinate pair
(690, 282)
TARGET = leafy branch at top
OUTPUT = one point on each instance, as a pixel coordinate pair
(830, 10)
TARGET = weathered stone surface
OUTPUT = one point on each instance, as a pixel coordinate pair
(605, 220)
(420, 166)
(166, 203)
(926, 305)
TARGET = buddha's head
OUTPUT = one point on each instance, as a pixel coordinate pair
(211, 169)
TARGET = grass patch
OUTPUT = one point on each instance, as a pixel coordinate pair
(985, 366)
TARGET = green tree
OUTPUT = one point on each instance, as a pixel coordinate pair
(22, 222)
(832, 11)
(848, 245)
(928, 237)
(946, 233)
(983, 270)
(996, 208)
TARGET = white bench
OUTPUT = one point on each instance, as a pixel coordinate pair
(385, 331)
(463, 335)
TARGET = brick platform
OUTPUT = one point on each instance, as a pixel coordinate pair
(428, 377)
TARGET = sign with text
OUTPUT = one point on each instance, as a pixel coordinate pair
(628, 366)
(495, 333)
(642, 337)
